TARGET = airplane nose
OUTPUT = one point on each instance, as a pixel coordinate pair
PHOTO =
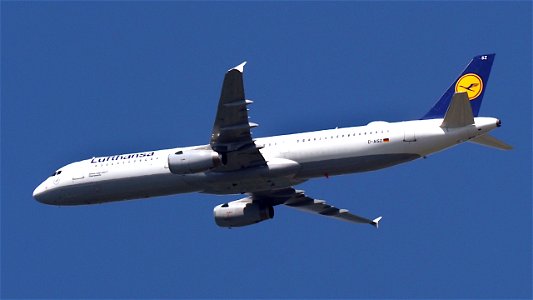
(40, 193)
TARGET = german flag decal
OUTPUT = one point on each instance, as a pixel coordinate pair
(385, 140)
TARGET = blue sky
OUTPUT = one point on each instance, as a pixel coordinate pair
(86, 79)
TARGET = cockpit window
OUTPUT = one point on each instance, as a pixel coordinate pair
(56, 173)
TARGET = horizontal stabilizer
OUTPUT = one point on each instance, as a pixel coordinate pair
(490, 141)
(459, 113)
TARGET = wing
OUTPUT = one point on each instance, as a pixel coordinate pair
(298, 199)
(231, 135)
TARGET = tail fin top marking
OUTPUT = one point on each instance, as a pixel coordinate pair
(473, 80)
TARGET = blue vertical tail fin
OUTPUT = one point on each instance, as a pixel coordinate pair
(473, 80)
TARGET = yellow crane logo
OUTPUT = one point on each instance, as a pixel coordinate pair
(471, 84)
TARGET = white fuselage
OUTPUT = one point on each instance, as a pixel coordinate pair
(291, 159)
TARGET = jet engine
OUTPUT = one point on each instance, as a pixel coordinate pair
(193, 161)
(241, 213)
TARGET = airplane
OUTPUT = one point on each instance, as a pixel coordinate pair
(266, 169)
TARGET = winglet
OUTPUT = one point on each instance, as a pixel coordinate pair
(239, 68)
(375, 222)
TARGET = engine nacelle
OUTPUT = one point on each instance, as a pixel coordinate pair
(241, 213)
(193, 161)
